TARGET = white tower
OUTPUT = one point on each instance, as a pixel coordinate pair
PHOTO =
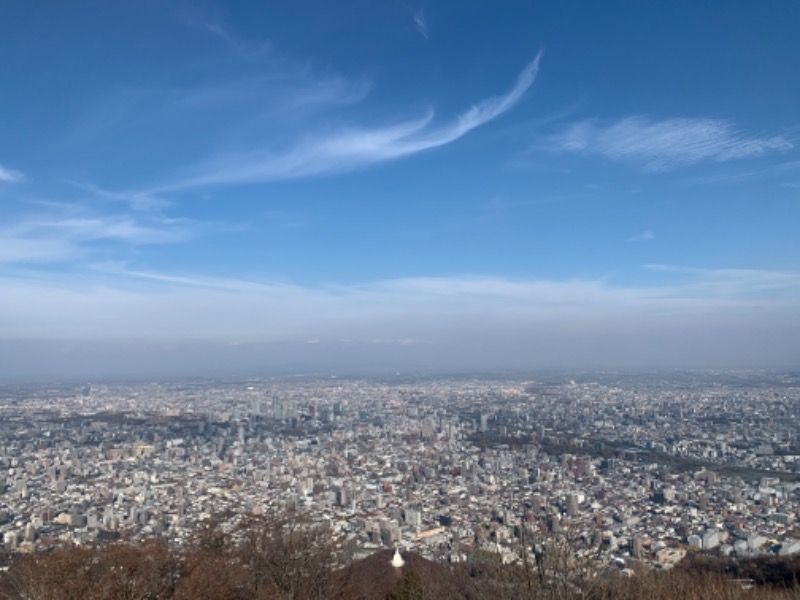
(397, 560)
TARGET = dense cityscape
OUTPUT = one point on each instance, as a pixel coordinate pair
(613, 467)
(399, 300)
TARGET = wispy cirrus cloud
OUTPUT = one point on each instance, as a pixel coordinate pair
(119, 228)
(26, 250)
(643, 236)
(138, 201)
(433, 309)
(205, 18)
(349, 148)
(244, 47)
(282, 98)
(421, 23)
(56, 238)
(660, 145)
(744, 283)
(10, 175)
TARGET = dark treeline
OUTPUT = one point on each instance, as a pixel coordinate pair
(285, 558)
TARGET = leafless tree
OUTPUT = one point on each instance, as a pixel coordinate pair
(290, 557)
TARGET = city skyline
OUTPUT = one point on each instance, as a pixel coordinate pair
(194, 188)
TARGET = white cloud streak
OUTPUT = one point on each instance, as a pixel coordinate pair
(644, 236)
(10, 175)
(139, 201)
(351, 148)
(56, 239)
(663, 145)
(743, 283)
(120, 304)
(15, 250)
(421, 23)
(210, 21)
(282, 99)
(122, 229)
(124, 321)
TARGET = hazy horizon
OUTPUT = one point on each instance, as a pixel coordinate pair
(43, 361)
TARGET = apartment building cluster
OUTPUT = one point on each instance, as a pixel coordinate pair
(609, 467)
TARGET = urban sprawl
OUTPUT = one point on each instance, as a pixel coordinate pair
(613, 467)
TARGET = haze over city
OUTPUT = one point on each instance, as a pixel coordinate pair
(207, 188)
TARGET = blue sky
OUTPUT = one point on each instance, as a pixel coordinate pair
(209, 187)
